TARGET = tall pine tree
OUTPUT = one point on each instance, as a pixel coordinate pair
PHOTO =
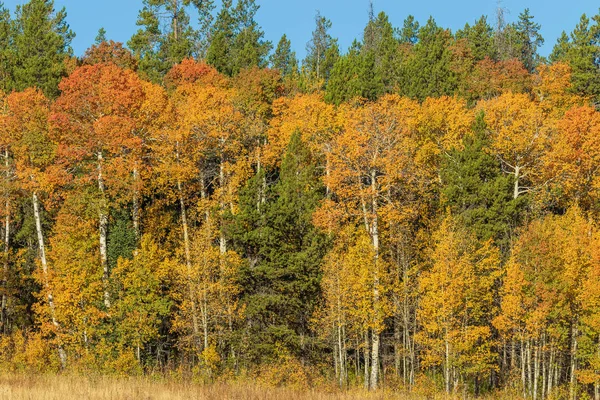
(42, 40)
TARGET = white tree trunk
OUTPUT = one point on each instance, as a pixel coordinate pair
(42, 250)
(103, 226)
(375, 236)
(6, 240)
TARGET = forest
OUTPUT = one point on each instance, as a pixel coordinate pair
(420, 212)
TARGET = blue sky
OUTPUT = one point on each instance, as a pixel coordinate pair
(296, 17)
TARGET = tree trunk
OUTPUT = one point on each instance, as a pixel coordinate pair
(222, 239)
(573, 366)
(103, 216)
(6, 242)
(136, 204)
(188, 263)
(517, 177)
(42, 250)
(375, 335)
(366, 354)
(447, 362)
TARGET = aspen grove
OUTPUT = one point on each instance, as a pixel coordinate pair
(420, 211)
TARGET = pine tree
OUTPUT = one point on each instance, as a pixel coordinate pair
(220, 51)
(322, 51)
(427, 72)
(480, 38)
(582, 52)
(237, 42)
(344, 81)
(100, 37)
(285, 252)
(409, 33)
(6, 51)
(380, 44)
(165, 37)
(284, 59)
(529, 40)
(477, 192)
(249, 47)
(41, 46)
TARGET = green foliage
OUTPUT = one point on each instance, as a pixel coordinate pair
(41, 45)
(480, 37)
(122, 240)
(529, 40)
(427, 71)
(322, 52)
(477, 192)
(165, 37)
(284, 59)
(237, 42)
(581, 50)
(6, 51)
(284, 251)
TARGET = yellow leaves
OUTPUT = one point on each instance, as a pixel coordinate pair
(348, 284)
(445, 121)
(457, 301)
(316, 121)
(517, 126)
(552, 85)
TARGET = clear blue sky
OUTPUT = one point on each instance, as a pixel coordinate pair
(296, 17)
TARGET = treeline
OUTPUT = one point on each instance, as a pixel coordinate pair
(422, 210)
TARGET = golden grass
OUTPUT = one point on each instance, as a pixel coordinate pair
(71, 387)
(22, 387)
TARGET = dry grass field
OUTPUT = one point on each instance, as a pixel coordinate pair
(69, 387)
(19, 387)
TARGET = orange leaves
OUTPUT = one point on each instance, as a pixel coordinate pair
(110, 52)
(573, 159)
(190, 71)
(492, 78)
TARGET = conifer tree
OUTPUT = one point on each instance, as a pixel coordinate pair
(477, 192)
(284, 59)
(6, 51)
(285, 252)
(166, 36)
(581, 50)
(322, 51)
(409, 33)
(42, 40)
(529, 40)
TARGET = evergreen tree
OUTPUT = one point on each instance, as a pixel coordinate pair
(344, 81)
(6, 50)
(560, 49)
(220, 50)
(284, 251)
(582, 52)
(41, 46)
(380, 44)
(476, 190)
(427, 72)
(284, 59)
(480, 37)
(249, 47)
(322, 51)
(237, 42)
(100, 37)
(165, 37)
(409, 33)
(529, 40)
